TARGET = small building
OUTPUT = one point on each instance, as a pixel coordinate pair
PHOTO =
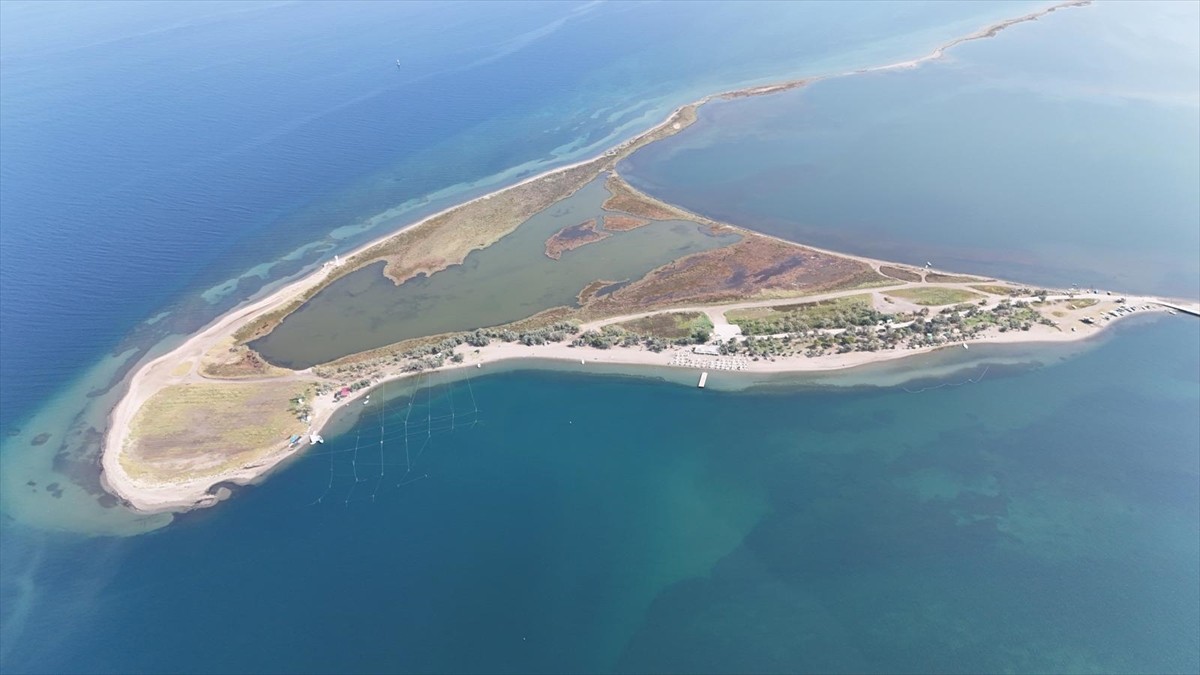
(708, 350)
(345, 391)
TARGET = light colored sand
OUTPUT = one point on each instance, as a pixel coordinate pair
(193, 493)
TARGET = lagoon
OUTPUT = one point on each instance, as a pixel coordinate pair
(509, 280)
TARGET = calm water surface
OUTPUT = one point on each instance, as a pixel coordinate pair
(1062, 151)
(509, 280)
(1041, 520)
(164, 163)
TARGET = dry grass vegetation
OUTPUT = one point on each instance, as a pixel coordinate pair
(230, 361)
(669, 326)
(936, 278)
(622, 197)
(762, 91)
(447, 239)
(585, 296)
(901, 273)
(754, 267)
(996, 289)
(935, 297)
(189, 430)
(807, 309)
(622, 223)
(572, 237)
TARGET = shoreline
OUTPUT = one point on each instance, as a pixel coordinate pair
(190, 494)
(152, 376)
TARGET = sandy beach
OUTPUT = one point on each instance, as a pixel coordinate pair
(186, 494)
(183, 363)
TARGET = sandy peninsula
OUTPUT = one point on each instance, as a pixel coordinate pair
(151, 459)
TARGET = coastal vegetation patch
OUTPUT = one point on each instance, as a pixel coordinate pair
(230, 361)
(192, 429)
(754, 267)
(616, 222)
(851, 310)
(592, 289)
(447, 239)
(997, 289)
(935, 297)
(672, 326)
(939, 278)
(418, 354)
(572, 237)
(623, 197)
(839, 328)
(901, 273)
(444, 240)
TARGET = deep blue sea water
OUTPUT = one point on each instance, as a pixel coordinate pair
(161, 162)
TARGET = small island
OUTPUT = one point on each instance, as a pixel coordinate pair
(571, 238)
(216, 410)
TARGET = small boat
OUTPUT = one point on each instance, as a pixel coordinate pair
(398, 67)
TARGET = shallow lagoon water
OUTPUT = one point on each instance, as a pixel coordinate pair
(509, 280)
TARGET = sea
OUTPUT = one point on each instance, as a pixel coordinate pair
(1065, 151)
(1019, 508)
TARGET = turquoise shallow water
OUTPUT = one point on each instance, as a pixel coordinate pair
(1045, 519)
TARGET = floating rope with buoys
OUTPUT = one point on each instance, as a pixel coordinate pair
(973, 380)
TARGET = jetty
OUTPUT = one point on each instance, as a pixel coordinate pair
(1193, 309)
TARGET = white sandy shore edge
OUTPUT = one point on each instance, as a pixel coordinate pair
(195, 493)
(152, 376)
